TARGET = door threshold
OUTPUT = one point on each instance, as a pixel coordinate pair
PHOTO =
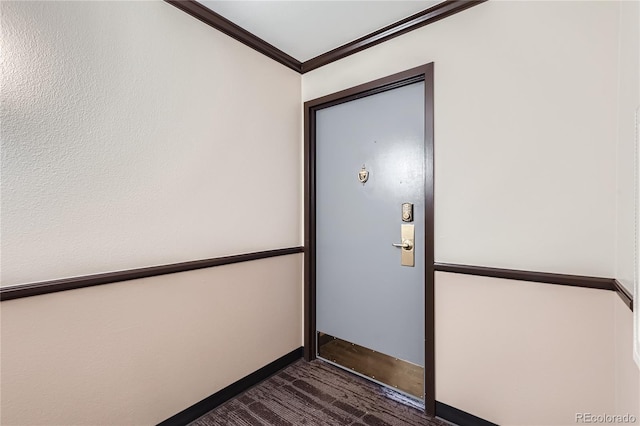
(393, 373)
(403, 398)
(389, 392)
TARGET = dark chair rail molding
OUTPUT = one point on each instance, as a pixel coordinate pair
(624, 294)
(541, 277)
(45, 287)
(538, 277)
(420, 19)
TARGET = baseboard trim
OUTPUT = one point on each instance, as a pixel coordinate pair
(459, 417)
(45, 287)
(203, 407)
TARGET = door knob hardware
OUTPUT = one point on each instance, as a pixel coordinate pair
(407, 236)
(405, 244)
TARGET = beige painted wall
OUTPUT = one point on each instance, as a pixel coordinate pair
(519, 353)
(525, 121)
(138, 352)
(135, 135)
(627, 374)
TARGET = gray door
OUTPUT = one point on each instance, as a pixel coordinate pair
(364, 296)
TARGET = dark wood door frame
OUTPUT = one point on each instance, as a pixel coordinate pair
(421, 73)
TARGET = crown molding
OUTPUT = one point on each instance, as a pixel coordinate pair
(420, 19)
(224, 25)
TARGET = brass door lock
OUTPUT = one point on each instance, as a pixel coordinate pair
(407, 236)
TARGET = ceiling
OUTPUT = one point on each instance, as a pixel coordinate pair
(305, 29)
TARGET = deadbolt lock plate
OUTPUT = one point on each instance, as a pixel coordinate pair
(407, 212)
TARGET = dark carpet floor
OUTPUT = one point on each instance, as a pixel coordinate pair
(317, 394)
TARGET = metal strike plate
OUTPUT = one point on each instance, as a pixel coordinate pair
(407, 249)
(407, 212)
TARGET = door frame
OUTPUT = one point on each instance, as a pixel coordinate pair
(413, 75)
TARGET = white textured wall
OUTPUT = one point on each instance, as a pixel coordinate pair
(134, 135)
(525, 125)
(628, 102)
